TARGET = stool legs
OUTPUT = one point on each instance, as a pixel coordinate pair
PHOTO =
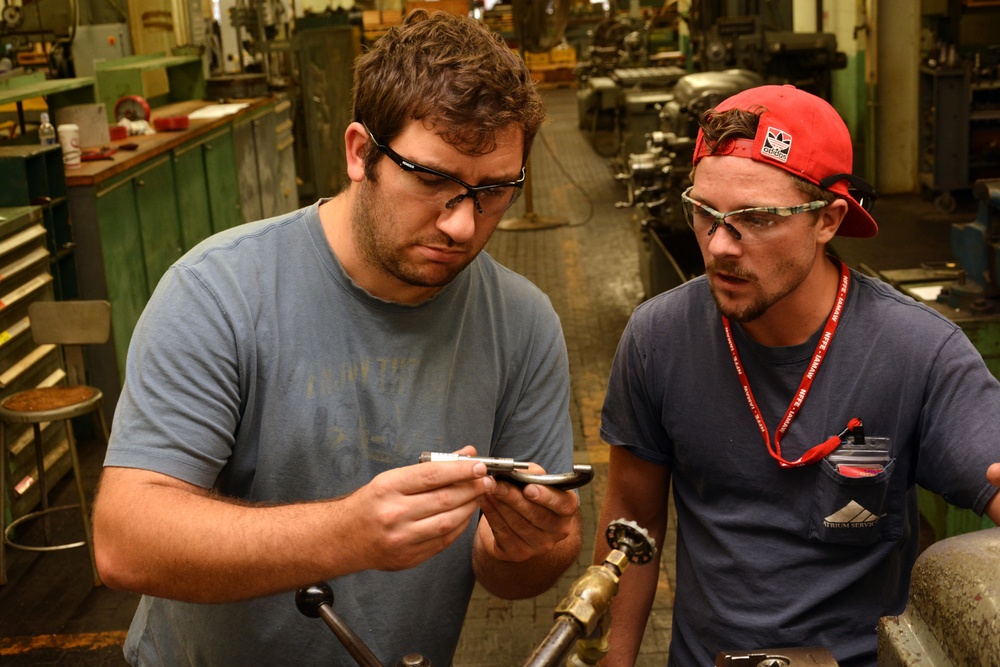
(5, 484)
(43, 488)
(88, 533)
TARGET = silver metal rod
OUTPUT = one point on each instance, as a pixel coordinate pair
(357, 648)
(493, 464)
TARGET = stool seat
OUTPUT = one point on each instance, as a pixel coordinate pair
(49, 403)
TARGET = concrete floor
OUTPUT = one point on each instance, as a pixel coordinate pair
(51, 615)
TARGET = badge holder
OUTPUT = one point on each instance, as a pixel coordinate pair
(860, 456)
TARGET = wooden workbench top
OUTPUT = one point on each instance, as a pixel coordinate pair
(151, 146)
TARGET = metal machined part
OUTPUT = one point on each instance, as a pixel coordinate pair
(580, 476)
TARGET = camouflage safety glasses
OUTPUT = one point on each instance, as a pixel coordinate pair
(748, 225)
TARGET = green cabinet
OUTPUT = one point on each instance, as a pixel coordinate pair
(159, 224)
(193, 205)
(326, 55)
(256, 146)
(138, 214)
(265, 160)
(138, 238)
(208, 190)
(118, 243)
(221, 179)
(286, 179)
(148, 218)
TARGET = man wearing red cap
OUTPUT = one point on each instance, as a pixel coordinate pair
(793, 403)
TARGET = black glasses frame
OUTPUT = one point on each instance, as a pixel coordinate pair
(861, 190)
(470, 190)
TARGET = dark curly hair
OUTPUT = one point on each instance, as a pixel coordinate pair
(451, 72)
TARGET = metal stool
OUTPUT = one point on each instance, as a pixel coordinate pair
(69, 324)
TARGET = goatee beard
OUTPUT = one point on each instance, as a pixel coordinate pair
(744, 314)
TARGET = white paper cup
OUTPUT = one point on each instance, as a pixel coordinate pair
(69, 139)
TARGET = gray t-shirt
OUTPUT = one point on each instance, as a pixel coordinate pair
(261, 370)
(766, 556)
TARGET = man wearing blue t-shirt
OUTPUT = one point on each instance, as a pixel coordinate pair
(792, 403)
(286, 376)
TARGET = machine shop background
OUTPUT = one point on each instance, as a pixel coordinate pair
(248, 101)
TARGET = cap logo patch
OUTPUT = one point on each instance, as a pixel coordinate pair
(777, 145)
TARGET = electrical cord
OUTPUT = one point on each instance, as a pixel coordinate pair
(562, 169)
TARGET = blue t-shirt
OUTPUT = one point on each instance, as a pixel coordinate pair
(261, 370)
(767, 556)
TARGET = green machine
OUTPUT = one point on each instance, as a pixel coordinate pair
(159, 78)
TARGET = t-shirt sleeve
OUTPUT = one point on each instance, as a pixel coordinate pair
(960, 426)
(181, 400)
(630, 417)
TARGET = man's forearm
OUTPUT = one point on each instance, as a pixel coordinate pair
(169, 542)
(159, 535)
(637, 490)
(516, 581)
(629, 610)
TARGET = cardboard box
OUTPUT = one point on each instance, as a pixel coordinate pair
(92, 120)
(535, 59)
(563, 54)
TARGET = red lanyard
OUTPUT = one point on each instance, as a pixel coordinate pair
(821, 450)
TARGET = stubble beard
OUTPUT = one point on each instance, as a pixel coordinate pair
(370, 222)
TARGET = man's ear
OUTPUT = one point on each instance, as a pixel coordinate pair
(356, 141)
(830, 217)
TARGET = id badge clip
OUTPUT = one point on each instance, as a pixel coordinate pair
(858, 455)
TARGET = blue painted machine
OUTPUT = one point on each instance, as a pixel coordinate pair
(976, 246)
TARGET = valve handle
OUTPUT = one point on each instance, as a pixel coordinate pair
(316, 601)
(311, 598)
(632, 540)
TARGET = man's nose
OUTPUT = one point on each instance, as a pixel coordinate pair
(458, 220)
(723, 241)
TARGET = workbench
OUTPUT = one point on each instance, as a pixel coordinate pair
(137, 212)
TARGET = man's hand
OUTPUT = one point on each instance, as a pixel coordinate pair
(993, 507)
(523, 523)
(526, 538)
(411, 514)
(993, 474)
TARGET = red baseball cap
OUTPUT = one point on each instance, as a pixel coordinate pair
(804, 135)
